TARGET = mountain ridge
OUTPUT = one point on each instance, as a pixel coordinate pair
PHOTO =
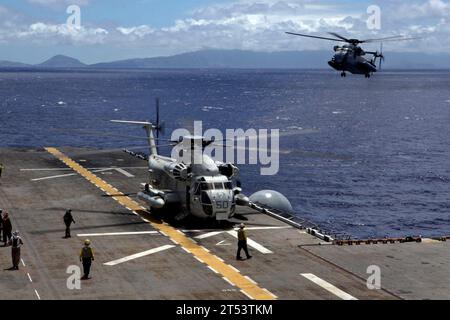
(239, 59)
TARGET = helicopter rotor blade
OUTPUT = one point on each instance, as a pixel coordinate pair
(390, 39)
(339, 36)
(105, 151)
(83, 132)
(403, 39)
(315, 37)
(382, 39)
(225, 143)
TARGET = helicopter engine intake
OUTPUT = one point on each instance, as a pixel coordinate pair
(179, 171)
(229, 170)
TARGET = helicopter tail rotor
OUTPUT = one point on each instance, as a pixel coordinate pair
(159, 126)
(380, 56)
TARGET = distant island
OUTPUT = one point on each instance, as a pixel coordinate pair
(239, 59)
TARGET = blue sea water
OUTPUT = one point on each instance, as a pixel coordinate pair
(373, 159)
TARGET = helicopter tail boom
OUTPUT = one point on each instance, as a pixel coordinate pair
(149, 127)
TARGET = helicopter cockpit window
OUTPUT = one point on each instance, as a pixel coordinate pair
(207, 186)
(218, 185)
(197, 189)
(228, 185)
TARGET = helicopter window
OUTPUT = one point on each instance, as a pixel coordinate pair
(205, 199)
(218, 185)
(228, 185)
(197, 189)
(207, 186)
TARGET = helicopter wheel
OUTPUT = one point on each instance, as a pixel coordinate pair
(343, 75)
(368, 75)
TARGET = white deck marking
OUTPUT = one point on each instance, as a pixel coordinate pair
(186, 250)
(54, 177)
(23, 262)
(265, 228)
(328, 286)
(37, 294)
(212, 269)
(208, 235)
(247, 228)
(29, 277)
(255, 245)
(199, 260)
(247, 295)
(223, 243)
(270, 293)
(250, 279)
(215, 233)
(234, 268)
(116, 234)
(125, 173)
(229, 282)
(138, 255)
(66, 175)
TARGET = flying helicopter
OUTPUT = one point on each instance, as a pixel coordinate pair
(196, 185)
(351, 57)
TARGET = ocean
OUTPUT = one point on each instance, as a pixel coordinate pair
(372, 157)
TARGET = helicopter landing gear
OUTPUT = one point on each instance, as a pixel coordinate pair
(343, 74)
(367, 75)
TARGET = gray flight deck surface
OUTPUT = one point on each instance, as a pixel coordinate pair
(37, 188)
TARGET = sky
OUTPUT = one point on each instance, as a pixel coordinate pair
(32, 31)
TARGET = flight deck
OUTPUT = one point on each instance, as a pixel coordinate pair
(139, 255)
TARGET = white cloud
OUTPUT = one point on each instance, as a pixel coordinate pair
(41, 32)
(255, 25)
(136, 32)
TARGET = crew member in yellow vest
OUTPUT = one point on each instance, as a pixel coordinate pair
(86, 257)
(242, 243)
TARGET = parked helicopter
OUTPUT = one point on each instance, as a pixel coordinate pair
(196, 185)
(350, 57)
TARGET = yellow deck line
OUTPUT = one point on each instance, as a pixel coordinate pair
(225, 270)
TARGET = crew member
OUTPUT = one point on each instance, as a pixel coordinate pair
(15, 242)
(86, 257)
(68, 219)
(7, 228)
(1, 169)
(242, 243)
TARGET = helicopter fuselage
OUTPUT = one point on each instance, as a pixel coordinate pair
(350, 58)
(202, 190)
